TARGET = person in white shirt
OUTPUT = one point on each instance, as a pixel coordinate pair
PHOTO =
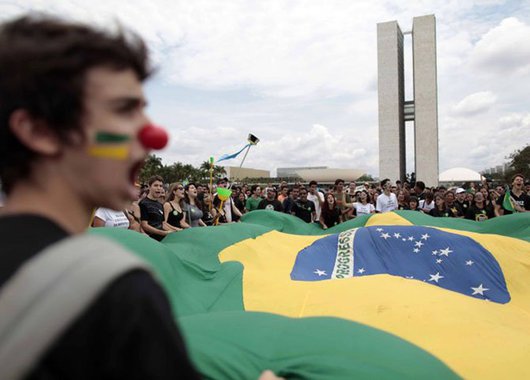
(105, 217)
(316, 197)
(387, 201)
(362, 207)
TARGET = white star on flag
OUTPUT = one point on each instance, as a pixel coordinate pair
(320, 272)
(434, 253)
(411, 238)
(469, 262)
(385, 235)
(379, 229)
(439, 261)
(416, 250)
(435, 277)
(479, 290)
(425, 236)
(404, 239)
(418, 244)
(361, 271)
(397, 235)
(445, 252)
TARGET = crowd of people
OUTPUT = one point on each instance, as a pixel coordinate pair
(159, 212)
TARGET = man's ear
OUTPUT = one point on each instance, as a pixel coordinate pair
(34, 134)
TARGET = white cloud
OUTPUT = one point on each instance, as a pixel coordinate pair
(504, 49)
(475, 103)
(302, 75)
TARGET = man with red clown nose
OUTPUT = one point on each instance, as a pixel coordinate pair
(73, 137)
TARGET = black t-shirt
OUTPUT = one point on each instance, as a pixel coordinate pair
(128, 332)
(274, 205)
(523, 200)
(153, 212)
(461, 208)
(455, 210)
(331, 217)
(480, 214)
(303, 210)
(445, 213)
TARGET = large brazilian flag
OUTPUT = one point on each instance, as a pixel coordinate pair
(396, 295)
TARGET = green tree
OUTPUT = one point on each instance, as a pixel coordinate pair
(152, 166)
(365, 178)
(218, 171)
(519, 163)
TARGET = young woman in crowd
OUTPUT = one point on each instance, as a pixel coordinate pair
(174, 215)
(330, 215)
(403, 200)
(479, 210)
(362, 206)
(440, 209)
(413, 204)
(208, 211)
(193, 207)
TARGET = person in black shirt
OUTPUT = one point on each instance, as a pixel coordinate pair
(56, 165)
(479, 211)
(271, 203)
(520, 201)
(440, 210)
(152, 211)
(330, 215)
(304, 208)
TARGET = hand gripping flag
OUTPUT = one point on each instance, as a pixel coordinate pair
(390, 295)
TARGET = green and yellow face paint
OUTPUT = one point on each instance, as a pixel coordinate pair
(115, 146)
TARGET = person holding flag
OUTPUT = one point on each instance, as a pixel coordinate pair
(514, 200)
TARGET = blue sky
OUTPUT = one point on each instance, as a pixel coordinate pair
(302, 76)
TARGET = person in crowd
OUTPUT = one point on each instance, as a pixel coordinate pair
(330, 214)
(255, 198)
(500, 191)
(105, 217)
(61, 83)
(152, 211)
(208, 211)
(229, 209)
(427, 204)
(440, 209)
(403, 200)
(174, 215)
(351, 190)
(362, 206)
(162, 196)
(527, 187)
(284, 189)
(479, 210)
(519, 199)
(192, 207)
(470, 195)
(133, 212)
(413, 203)
(449, 198)
(239, 202)
(460, 201)
(271, 202)
(303, 208)
(419, 190)
(292, 196)
(314, 195)
(341, 198)
(387, 201)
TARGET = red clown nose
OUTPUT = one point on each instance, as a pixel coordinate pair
(153, 137)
